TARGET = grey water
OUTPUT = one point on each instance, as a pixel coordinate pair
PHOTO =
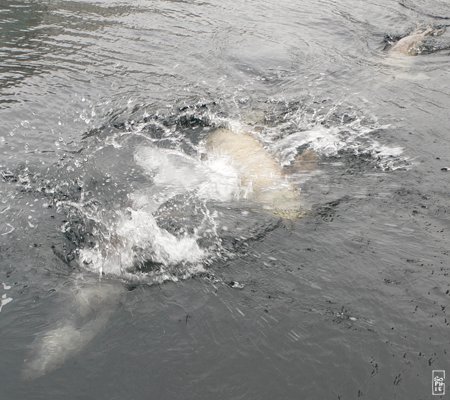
(104, 183)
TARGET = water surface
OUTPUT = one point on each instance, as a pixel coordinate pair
(105, 107)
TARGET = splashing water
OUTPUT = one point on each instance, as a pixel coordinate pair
(167, 230)
(133, 244)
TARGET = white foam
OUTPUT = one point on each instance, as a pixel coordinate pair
(11, 229)
(329, 141)
(137, 237)
(324, 141)
(4, 301)
(175, 173)
(132, 237)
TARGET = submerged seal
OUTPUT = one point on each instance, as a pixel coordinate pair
(91, 307)
(258, 171)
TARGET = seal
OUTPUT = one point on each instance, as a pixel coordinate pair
(259, 172)
(411, 45)
(91, 307)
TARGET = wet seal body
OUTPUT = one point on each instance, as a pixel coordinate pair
(411, 45)
(261, 175)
